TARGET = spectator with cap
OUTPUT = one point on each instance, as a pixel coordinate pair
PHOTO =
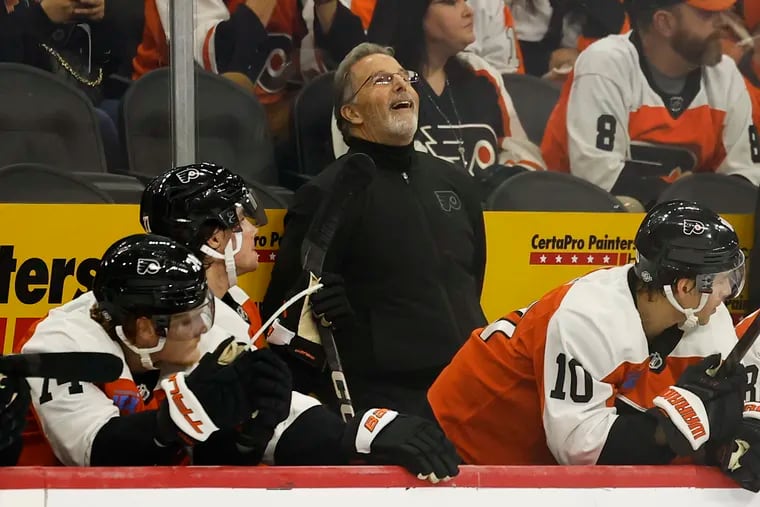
(626, 119)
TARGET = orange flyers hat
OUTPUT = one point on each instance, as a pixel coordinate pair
(711, 5)
(707, 5)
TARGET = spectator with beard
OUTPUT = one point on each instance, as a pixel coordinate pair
(627, 119)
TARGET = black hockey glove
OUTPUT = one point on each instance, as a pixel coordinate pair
(330, 304)
(217, 394)
(272, 389)
(700, 407)
(14, 403)
(385, 437)
(740, 458)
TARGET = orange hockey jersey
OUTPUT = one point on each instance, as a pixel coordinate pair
(540, 385)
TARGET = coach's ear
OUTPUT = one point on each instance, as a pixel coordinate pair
(349, 113)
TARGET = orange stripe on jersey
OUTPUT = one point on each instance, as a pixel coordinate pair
(554, 143)
(502, 105)
(509, 24)
(744, 324)
(206, 51)
(488, 399)
(364, 9)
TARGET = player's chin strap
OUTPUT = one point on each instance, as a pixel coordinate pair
(692, 320)
(144, 354)
(228, 256)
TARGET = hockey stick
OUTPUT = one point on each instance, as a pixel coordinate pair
(354, 176)
(95, 367)
(740, 349)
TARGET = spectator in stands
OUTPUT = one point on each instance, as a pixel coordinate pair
(552, 33)
(253, 42)
(495, 38)
(14, 403)
(466, 116)
(626, 120)
(77, 41)
(404, 274)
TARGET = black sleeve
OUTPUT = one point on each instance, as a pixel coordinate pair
(634, 182)
(631, 441)
(345, 33)
(130, 441)
(287, 268)
(221, 449)
(479, 228)
(241, 43)
(9, 455)
(314, 438)
(21, 31)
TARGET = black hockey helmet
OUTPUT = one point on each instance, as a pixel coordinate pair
(152, 276)
(181, 201)
(681, 239)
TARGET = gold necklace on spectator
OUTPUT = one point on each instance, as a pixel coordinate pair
(63, 63)
(460, 136)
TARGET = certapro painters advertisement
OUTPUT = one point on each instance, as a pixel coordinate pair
(531, 253)
(49, 254)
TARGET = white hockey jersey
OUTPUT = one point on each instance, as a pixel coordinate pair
(71, 414)
(609, 114)
(539, 386)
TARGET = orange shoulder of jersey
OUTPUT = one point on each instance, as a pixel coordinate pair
(491, 400)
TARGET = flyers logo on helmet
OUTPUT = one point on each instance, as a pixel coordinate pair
(188, 175)
(148, 266)
(693, 227)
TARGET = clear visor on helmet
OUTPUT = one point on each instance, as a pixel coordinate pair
(253, 209)
(191, 324)
(726, 284)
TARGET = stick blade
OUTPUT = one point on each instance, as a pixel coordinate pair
(95, 367)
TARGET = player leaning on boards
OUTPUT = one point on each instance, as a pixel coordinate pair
(643, 108)
(210, 210)
(609, 368)
(149, 306)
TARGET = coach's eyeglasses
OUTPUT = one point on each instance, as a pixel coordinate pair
(386, 78)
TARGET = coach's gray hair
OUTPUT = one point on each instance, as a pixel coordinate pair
(342, 85)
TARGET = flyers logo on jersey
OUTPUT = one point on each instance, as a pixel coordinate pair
(148, 266)
(693, 227)
(448, 200)
(188, 175)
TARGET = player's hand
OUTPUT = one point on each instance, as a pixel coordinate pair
(330, 304)
(700, 407)
(385, 437)
(740, 458)
(217, 394)
(271, 392)
(14, 403)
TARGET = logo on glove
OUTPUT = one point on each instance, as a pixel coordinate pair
(374, 419)
(686, 411)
